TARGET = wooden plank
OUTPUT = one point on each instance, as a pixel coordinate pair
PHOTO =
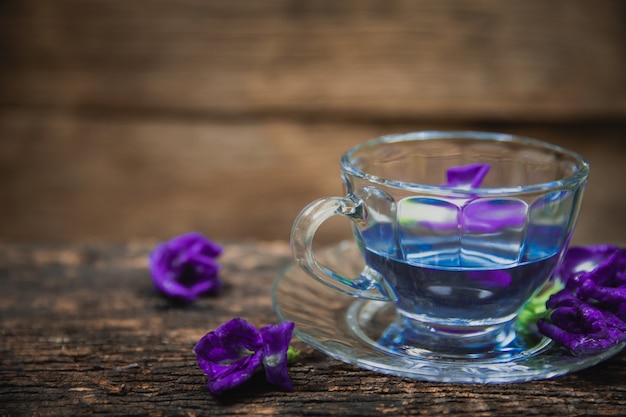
(487, 59)
(83, 333)
(98, 178)
(91, 179)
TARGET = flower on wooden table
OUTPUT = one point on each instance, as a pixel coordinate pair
(236, 350)
(185, 267)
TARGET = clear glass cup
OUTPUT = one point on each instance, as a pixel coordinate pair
(457, 263)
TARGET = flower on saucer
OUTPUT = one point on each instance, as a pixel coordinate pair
(589, 314)
(185, 267)
(236, 350)
(581, 327)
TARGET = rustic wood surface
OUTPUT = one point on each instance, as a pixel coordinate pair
(76, 179)
(83, 332)
(486, 59)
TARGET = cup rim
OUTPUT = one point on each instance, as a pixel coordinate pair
(578, 177)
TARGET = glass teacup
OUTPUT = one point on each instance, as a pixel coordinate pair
(458, 261)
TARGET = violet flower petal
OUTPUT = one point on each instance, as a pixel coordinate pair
(580, 343)
(597, 276)
(488, 215)
(491, 279)
(467, 176)
(230, 355)
(562, 298)
(185, 266)
(579, 260)
(276, 340)
(583, 328)
(611, 299)
(607, 270)
(588, 315)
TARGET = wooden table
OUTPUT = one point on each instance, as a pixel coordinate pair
(83, 332)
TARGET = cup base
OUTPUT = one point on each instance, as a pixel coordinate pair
(382, 327)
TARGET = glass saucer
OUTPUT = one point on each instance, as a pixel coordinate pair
(347, 329)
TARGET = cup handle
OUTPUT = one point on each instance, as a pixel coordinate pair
(370, 284)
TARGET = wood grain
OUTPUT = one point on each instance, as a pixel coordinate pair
(65, 178)
(396, 59)
(83, 332)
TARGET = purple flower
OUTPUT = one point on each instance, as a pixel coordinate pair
(236, 350)
(486, 215)
(185, 267)
(230, 355)
(579, 261)
(590, 313)
(467, 176)
(276, 340)
(597, 276)
(491, 279)
(582, 328)
(489, 215)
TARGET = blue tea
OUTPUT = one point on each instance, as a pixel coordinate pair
(451, 284)
(449, 295)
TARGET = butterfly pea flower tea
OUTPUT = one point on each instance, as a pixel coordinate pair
(457, 230)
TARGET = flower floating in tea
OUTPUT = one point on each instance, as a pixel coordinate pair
(589, 314)
(185, 267)
(467, 176)
(236, 350)
(486, 215)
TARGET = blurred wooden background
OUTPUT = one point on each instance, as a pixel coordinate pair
(143, 119)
